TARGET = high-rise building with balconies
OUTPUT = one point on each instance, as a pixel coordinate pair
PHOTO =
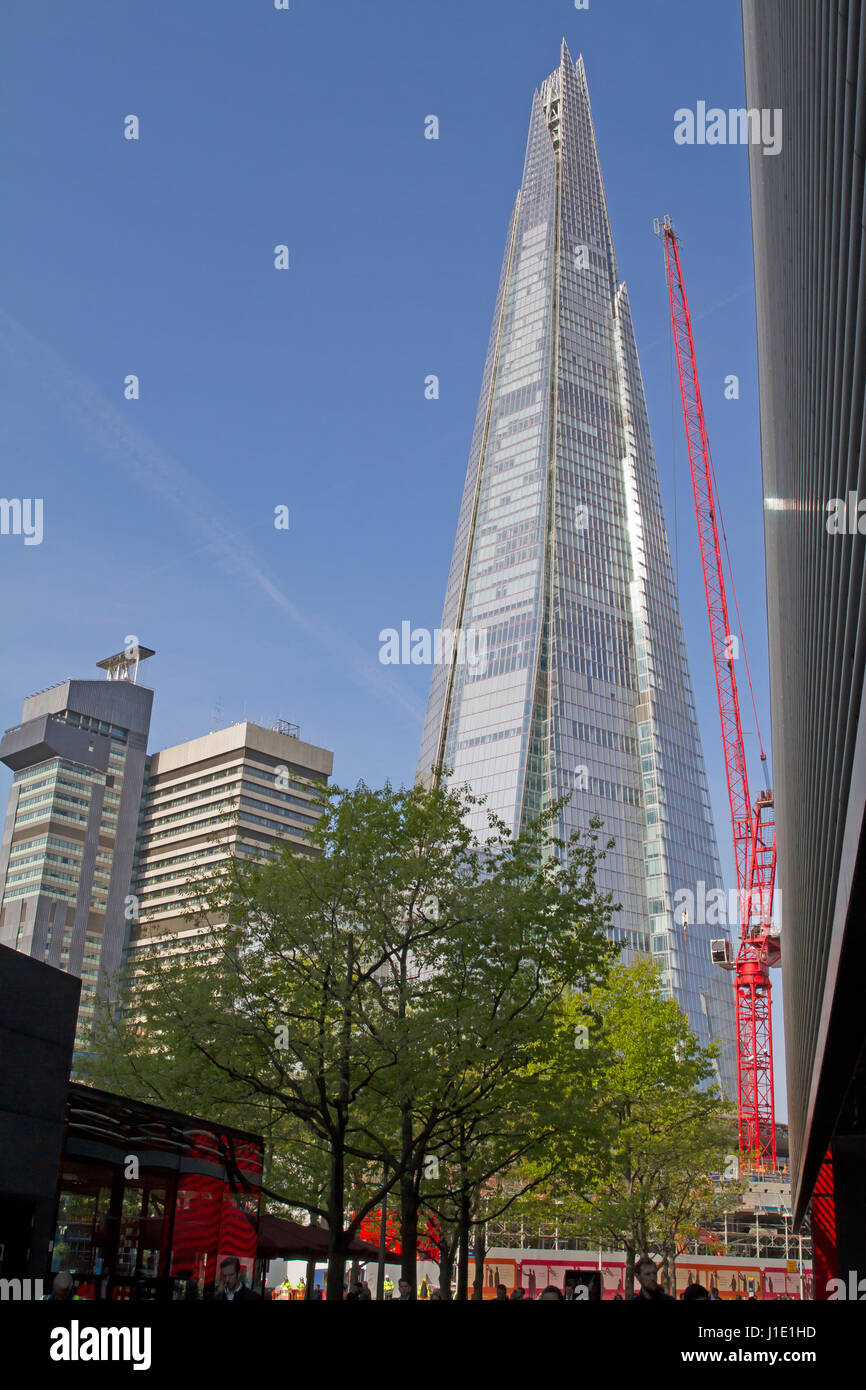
(243, 792)
(66, 855)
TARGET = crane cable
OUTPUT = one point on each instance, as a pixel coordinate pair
(674, 455)
(718, 507)
(736, 602)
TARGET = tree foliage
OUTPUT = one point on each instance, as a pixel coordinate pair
(358, 1004)
(660, 1126)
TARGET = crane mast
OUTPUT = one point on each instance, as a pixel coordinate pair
(754, 830)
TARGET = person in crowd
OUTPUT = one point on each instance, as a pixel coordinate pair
(405, 1294)
(233, 1287)
(62, 1289)
(501, 1293)
(518, 1295)
(389, 1286)
(589, 1291)
(424, 1288)
(550, 1292)
(647, 1276)
(695, 1291)
(185, 1287)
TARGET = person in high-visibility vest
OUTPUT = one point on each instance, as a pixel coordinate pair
(424, 1288)
(62, 1289)
(389, 1286)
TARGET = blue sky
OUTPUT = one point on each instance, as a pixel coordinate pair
(305, 388)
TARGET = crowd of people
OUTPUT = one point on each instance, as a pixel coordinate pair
(232, 1288)
(646, 1273)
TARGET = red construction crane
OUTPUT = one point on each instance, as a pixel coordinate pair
(754, 826)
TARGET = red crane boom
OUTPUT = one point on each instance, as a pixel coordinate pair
(754, 829)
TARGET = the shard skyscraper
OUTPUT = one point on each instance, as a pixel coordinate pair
(561, 561)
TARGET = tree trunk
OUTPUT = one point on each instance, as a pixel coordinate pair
(671, 1270)
(336, 1235)
(409, 1233)
(463, 1245)
(480, 1252)
(337, 1187)
(336, 1267)
(446, 1266)
(628, 1281)
(409, 1203)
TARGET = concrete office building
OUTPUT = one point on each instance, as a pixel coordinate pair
(243, 791)
(808, 60)
(68, 841)
(580, 687)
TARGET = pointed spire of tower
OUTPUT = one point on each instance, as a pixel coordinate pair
(584, 677)
(565, 57)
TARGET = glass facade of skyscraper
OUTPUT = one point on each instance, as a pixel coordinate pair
(68, 840)
(562, 561)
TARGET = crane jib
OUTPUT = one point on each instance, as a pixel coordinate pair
(754, 832)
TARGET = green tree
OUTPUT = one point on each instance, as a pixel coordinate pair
(661, 1125)
(689, 1198)
(523, 928)
(496, 1155)
(351, 1003)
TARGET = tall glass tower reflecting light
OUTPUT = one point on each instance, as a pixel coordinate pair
(561, 560)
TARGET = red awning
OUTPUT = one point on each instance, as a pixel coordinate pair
(280, 1239)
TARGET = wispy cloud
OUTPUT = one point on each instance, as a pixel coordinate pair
(194, 506)
(696, 318)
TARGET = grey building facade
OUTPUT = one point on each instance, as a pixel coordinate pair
(241, 792)
(66, 856)
(808, 215)
(561, 563)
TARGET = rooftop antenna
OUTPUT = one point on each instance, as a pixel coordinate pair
(283, 726)
(123, 666)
